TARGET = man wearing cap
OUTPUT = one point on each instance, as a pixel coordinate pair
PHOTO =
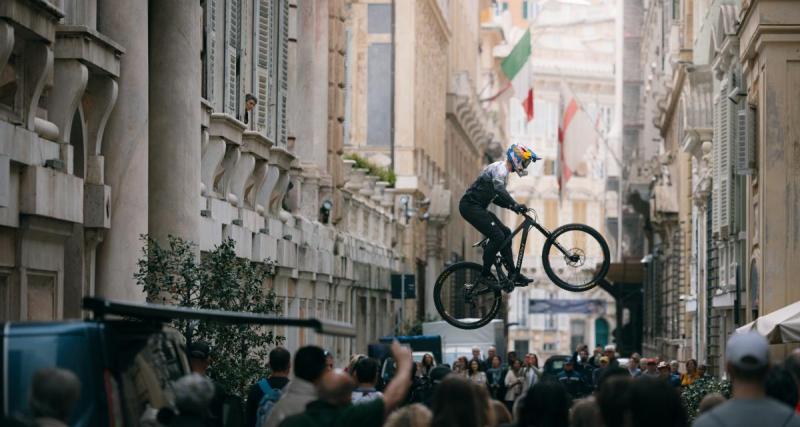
(572, 380)
(665, 374)
(747, 363)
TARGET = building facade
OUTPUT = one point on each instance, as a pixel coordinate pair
(719, 113)
(573, 59)
(415, 109)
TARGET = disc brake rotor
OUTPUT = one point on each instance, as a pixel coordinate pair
(576, 258)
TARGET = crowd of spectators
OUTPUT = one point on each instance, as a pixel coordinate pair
(600, 390)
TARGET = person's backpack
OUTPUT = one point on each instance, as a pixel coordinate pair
(267, 402)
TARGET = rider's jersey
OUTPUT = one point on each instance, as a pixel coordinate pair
(491, 186)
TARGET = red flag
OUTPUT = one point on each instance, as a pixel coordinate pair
(527, 105)
(564, 171)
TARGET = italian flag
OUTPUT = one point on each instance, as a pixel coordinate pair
(516, 67)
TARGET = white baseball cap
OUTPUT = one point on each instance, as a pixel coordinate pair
(610, 347)
(747, 350)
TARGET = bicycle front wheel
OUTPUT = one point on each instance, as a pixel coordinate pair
(575, 257)
(462, 299)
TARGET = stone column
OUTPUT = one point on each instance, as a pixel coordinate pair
(125, 151)
(175, 110)
(434, 264)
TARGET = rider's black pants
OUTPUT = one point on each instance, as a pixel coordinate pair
(490, 226)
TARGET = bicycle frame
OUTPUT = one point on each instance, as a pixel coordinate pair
(525, 228)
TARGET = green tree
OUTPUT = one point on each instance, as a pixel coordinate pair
(219, 280)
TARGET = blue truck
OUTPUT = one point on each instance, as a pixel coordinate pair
(126, 364)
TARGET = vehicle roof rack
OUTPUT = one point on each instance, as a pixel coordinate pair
(146, 311)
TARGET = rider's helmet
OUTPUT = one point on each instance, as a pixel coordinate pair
(520, 157)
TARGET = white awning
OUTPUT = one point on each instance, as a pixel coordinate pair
(780, 326)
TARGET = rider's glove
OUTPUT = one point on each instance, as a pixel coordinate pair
(520, 208)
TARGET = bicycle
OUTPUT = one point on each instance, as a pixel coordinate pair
(466, 301)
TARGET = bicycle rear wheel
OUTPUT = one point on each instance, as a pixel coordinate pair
(462, 299)
(575, 257)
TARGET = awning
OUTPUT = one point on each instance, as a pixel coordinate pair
(780, 326)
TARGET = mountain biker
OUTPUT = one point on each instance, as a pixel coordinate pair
(490, 187)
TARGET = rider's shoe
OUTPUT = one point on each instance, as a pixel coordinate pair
(520, 279)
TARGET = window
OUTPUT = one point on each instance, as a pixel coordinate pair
(577, 330)
(521, 347)
(549, 346)
(525, 9)
(550, 322)
(379, 18)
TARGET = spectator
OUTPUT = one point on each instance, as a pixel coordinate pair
(512, 356)
(580, 360)
(490, 353)
(792, 364)
(633, 365)
(456, 403)
(747, 364)
(600, 371)
(702, 370)
(334, 408)
(780, 385)
(427, 365)
(279, 364)
(674, 367)
(225, 409)
(329, 359)
(691, 374)
(415, 415)
(474, 374)
(572, 381)
(351, 367)
(665, 373)
(309, 366)
(460, 366)
(612, 399)
(654, 403)
(193, 394)
(513, 383)
(651, 368)
(54, 393)
(366, 374)
(610, 351)
(495, 377)
(438, 375)
(250, 102)
(709, 402)
(501, 414)
(596, 354)
(530, 372)
(545, 405)
(476, 355)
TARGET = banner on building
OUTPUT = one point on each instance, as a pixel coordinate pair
(569, 306)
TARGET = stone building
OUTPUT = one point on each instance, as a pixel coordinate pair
(719, 96)
(415, 109)
(573, 57)
(108, 132)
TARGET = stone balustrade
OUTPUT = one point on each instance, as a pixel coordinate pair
(247, 185)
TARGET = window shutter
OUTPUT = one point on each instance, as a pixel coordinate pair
(716, 167)
(211, 43)
(283, 71)
(265, 66)
(745, 139)
(233, 31)
(726, 130)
